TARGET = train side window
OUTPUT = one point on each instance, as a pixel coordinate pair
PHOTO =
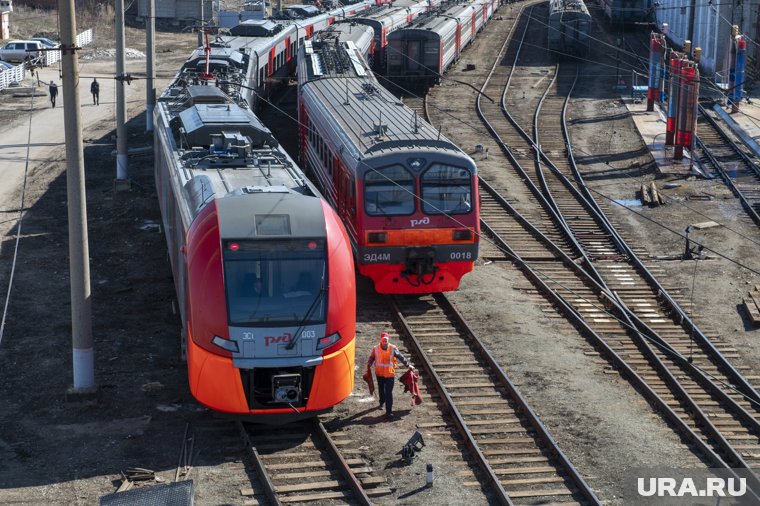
(261, 76)
(389, 191)
(352, 194)
(446, 189)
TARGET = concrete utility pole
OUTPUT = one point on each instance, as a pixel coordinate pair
(150, 71)
(203, 23)
(122, 167)
(79, 255)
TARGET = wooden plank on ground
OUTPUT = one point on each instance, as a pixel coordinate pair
(705, 224)
(752, 310)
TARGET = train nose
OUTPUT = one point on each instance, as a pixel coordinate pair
(420, 262)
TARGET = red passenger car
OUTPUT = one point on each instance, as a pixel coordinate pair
(407, 195)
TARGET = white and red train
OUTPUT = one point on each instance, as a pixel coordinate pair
(385, 21)
(407, 196)
(420, 53)
(262, 264)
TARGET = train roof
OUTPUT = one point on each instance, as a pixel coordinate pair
(346, 31)
(218, 146)
(256, 28)
(273, 214)
(435, 20)
(559, 6)
(368, 119)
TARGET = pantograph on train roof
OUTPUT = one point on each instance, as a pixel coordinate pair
(370, 115)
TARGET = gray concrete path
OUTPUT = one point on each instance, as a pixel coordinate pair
(47, 138)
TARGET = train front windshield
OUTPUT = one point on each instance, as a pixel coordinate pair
(275, 283)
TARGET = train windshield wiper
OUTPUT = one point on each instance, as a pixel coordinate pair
(314, 304)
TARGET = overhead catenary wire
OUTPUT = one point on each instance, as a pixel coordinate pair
(508, 254)
(535, 19)
(19, 222)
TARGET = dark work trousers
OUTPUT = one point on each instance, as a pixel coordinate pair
(385, 389)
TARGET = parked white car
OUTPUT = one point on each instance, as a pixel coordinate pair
(21, 50)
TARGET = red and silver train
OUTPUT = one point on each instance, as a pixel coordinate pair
(272, 46)
(385, 21)
(420, 53)
(262, 264)
(407, 195)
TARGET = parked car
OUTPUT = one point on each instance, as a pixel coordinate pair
(4, 65)
(47, 42)
(21, 50)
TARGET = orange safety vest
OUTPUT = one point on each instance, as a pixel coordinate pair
(385, 361)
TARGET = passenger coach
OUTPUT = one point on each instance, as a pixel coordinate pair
(419, 54)
(407, 195)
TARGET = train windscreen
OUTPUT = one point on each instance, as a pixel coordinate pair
(275, 283)
(389, 191)
(446, 189)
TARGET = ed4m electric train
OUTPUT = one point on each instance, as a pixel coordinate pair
(419, 54)
(569, 27)
(262, 264)
(407, 196)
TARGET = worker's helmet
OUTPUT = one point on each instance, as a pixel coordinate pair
(384, 336)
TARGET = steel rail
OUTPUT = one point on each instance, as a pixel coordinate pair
(635, 322)
(719, 166)
(512, 392)
(493, 480)
(535, 421)
(258, 466)
(318, 431)
(620, 363)
(644, 347)
(632, 318)
(685, 321)
(348, 475)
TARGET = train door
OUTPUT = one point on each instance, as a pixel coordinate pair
(346, 188)
(459, 40)
(413, 55)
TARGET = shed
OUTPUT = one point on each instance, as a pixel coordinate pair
(178, 9)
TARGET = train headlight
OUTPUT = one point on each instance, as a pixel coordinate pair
(377, 237)
(328, 341)
(226, 344)
(462, 235)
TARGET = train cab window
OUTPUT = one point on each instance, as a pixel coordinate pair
(389, 191)
(279, 282)
(446, 189)
(261, 76)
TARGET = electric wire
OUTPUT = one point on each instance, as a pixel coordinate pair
(20, 222)
(531, 18)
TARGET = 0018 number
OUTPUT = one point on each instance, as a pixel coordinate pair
(460, 255)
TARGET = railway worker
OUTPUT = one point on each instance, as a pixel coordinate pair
(385, 356)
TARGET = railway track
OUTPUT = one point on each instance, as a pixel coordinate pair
(736, 168)
(302, 463)
(517, 456)
(720, 153)
(631, 319)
